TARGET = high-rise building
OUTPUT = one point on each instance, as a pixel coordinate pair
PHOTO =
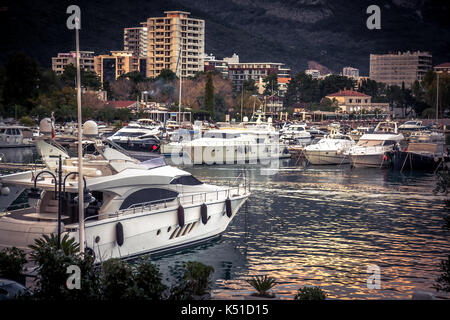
(213, 64)
(398, 68)
(167, 35)
(65, 58)
(350, 72)
(135, 40)
(110, 67)
(239, 72)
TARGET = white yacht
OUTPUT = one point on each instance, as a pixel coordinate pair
(329, 150)
(228, 146)
(137, 137)
(412, 125)
(373, 149)
(14, 136)
(133, 207)
(296, 134)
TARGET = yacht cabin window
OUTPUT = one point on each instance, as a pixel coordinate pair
(186, 180)
(154, 195)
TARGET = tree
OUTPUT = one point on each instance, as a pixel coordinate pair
(302, 89)
(250, 86)
(271, 84)
(209, 94)
(167, 75)
(88, 79)
(122, 89)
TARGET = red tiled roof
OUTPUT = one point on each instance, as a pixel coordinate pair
(348, 93)
(120, 104)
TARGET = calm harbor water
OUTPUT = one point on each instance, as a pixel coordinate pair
(322, 225)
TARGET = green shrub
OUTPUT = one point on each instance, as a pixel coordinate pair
(310, 293)
(262, 284)
(148, 281)
(117, 280)
(12, 261)
(52, 270)
(193, 281)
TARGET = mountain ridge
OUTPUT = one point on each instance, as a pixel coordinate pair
(331, 33)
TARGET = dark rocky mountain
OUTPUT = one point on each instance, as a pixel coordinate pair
(332, 33)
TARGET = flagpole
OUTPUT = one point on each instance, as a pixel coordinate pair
(80, 145)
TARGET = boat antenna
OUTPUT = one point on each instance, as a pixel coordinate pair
(173, 89)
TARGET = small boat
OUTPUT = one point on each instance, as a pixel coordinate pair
(329, 150)
(412, 125)
(296, 134)
(359, 132)
(14, 136)
(421, 157)
(137, 138)
(374, 149)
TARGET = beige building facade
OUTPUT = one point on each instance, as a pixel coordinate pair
(399, 68)
(110, 67)
(168, 36)
(135, 40)
(63, 59)
(350, 101)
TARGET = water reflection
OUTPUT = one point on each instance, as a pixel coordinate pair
(325, 225)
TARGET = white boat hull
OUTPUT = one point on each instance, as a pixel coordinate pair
(147, 231)
(369, 161)
(317, 157)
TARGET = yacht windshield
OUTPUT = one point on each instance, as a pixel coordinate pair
(129, 134)
(154, 163)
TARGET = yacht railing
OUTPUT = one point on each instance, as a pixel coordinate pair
(201, 197)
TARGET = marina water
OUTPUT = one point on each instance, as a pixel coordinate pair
(322, 225)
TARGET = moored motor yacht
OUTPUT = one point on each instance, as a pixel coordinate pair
(296, 134)
(228, 146)
(134, 207)
(374, 149)
(329, 150)
(137, 137)
(15, 136)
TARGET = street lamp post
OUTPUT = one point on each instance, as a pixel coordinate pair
(35, 194)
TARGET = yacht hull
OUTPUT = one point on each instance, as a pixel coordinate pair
(370, 161)
(317, 157)
(144, 231)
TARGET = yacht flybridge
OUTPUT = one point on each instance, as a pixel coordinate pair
(136, 207)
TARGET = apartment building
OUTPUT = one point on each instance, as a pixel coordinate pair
(110, 67)
(168, 36)
(398, 68)
(135, 40)
(240, 72)
(65, 58)
(350, 72)
(213, 64)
